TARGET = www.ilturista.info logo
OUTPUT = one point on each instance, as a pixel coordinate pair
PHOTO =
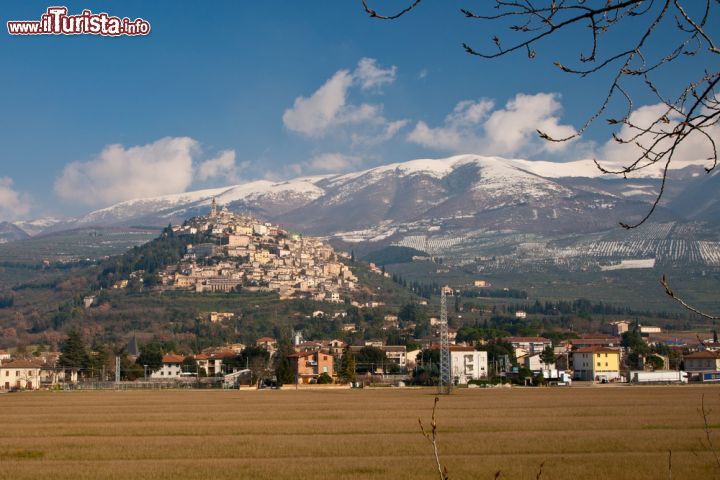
(56, 21)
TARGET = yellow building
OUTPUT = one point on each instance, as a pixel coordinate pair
(599, 364)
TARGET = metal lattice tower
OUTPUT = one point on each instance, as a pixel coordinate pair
(445, 380)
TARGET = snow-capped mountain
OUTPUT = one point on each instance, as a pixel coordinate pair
(494, 213)
(463, 193)
(11, 233)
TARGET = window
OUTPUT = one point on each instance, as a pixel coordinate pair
(598, 364)
(325, 369)
(606, 364)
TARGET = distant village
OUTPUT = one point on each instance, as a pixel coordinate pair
(243, 252)
(529, 361)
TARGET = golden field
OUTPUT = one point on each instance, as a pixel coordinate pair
(596, 432)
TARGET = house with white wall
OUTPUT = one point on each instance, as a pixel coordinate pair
(20, 374)
(171, 367)
(467, 364)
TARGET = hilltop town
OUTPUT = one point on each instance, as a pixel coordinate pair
(240, 251)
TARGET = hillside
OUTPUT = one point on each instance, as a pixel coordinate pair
(499, 214)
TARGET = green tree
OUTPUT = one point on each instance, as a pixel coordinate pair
(370, 359)
(324, 378)
(284, 371)
(151, 355)
(129, 370)
(101, 360)
(346, 372)
(655, 361)
(73, 353)
(189, 365)
(548, 356)
(634, 341)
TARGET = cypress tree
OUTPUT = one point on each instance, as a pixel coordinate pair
(74, 352)
(347, 366)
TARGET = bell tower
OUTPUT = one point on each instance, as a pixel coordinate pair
(213, 208)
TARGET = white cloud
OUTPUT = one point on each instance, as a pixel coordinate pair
(13, 204)
(695, 147)
(474, 127)
(223, 166)
(370, 76)
(323, 163)
(422, 74)
(333, 162)
(163, 167)
(314, 115)
(328, 108)
(391, 129)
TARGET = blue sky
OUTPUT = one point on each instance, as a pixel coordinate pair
(272, 89)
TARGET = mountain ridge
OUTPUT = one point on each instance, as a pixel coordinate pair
(277, 198)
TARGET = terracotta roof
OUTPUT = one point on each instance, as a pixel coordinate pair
(201, 356)
(703, 354)
(596, 350)
(265, 340)
(20, 364)
(173, 359)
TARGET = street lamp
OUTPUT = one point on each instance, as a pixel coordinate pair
(145, 372)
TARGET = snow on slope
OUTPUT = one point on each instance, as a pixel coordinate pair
(304, 187)
(500, 177)
(529, 179)
(587, 168)
(143, 206)
(33, 227)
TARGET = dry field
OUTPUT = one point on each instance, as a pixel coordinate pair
(599, 432)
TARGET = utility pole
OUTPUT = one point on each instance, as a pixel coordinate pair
(117, 370)
(445, 380)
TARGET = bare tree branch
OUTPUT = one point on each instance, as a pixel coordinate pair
(693, 111)
(708, 434)
(682, 302)
(431, 436)
(374, 14)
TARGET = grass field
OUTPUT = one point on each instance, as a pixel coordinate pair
(599, 432)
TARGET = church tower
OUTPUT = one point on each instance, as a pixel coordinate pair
(213, 208)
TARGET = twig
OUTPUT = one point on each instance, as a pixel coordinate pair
(708, 434)
(695, 109)
(374, 14)
(682, 302)
(431, 436)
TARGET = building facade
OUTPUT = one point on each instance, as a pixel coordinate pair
(171, 367)
(467, 364)
(308, 366)
(706, 360)
(20, 374)
(596, 364)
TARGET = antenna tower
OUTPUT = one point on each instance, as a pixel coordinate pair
(445, 380)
